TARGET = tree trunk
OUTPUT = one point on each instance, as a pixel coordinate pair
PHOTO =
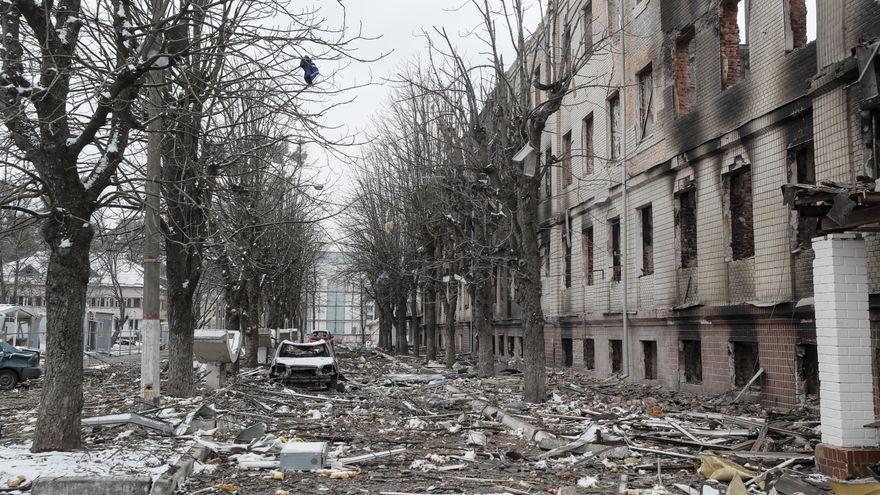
(180, 344)
(529, 292)
(414, 324)
(401, 345)
(484, 323)
(252, 318)
(429, 302)
(58, 419)
(451, 303)
(386, 318)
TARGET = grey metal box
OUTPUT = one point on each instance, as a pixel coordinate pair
(303, 456)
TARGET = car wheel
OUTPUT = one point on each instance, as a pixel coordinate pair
(8, 379)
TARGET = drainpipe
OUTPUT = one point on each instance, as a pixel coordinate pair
(624, 224)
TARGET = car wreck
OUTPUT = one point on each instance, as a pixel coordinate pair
(17, 364)
(305, 363)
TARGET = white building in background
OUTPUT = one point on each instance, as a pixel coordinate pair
(334, 303)
(116, 286)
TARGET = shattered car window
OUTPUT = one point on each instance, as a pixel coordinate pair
(289, 351)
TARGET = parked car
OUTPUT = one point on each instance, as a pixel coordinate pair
(319, 335)
(17, 365)
(305, 363)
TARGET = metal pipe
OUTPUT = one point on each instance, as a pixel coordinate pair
(624, 223)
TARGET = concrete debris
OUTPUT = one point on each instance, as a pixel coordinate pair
(129, 418)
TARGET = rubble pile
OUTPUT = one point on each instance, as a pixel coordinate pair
(399, 426)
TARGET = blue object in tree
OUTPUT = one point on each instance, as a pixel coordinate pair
(310, 69)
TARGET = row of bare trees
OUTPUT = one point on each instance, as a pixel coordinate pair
(441, 205)
(238, 223)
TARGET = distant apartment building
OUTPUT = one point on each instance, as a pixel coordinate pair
(334, 302)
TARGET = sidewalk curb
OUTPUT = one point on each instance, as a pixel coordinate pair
(168, 483)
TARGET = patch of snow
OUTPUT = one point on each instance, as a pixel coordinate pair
(65, 243)
(148, 457)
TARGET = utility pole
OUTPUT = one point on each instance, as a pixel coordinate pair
(150, 354)
(624, 224)
(363, 322)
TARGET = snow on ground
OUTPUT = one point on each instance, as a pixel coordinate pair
(149, 457)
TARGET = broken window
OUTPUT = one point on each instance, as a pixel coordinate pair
(745, 364)
(588, 28)
(548, 172)
(615, 355)
(742, 234)
(808, 369)
(683, 72)
(614, 125)
(686, 227)
(589, 354)
(800, 24)
(646, 101)
(614, 227)
(690, 360)
(802, 168)
(587, 253)
(649, 354)
(510, 346)
(647, 224)
(734, 27)
(566, 160)
(587, 144)
(566, 48)
(567, 351)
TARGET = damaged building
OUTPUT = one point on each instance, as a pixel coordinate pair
(712, 106)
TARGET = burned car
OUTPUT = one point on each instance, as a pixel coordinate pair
(17, 364)
(306, 363)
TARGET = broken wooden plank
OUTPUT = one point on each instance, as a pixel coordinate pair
(748, 385)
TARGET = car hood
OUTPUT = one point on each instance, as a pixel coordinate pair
(305, 362)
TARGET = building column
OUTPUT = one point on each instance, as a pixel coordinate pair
(843, 336)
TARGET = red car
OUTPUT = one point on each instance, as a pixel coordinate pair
(319, 335)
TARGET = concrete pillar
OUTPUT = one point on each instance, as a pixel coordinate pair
(843, 336)
(577, 353)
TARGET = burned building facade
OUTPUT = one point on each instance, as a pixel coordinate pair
(712, 105)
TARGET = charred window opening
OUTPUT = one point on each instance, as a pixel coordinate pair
(520, 339)
(587, 253)
(548, 172)
(614, 227)
(686, 227)
(744, 358)
(803, 170)
(589, 354)
(614, 126)
(690, 360)
(649, 353)
(734, 32)
(808, 369)
(615, 355)
(567, 353)
(510, 346)
(566, 47)
(588, 28)
(797, 32)
(566, 160)
(647, 224)
(646, 101)
(683, 72)
(742, 234)
(587, 144)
